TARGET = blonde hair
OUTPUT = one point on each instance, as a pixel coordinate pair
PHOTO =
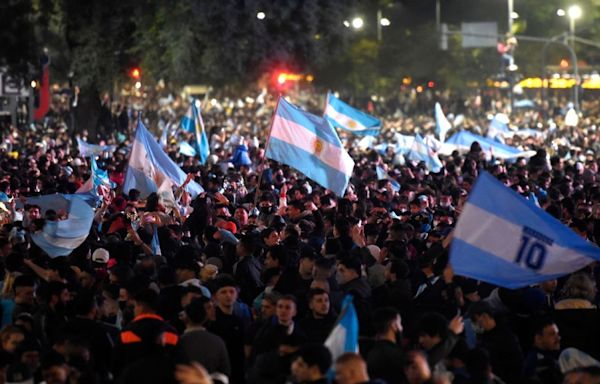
(7, 285)
(579, 286)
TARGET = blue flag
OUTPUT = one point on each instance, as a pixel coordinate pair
(61, 237)
(87, 149)
(463, 140)
(164, 136)
(98, 184)
(442, 125)
(383, 175)
(503, 239)
(192, 122)
(344, 336)
(311, 145)
(350, 119)
(186, 149)
(151, 170)
(420, 151)
(498, 127)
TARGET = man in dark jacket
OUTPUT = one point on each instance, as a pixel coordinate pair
(541, 363)
(148, 335)
(505, 352)
(349, 273)
(199, 345)
(319, 322)
(247, 270)
(386, 355)
(279, 328)
(229, 326)
(85, 327)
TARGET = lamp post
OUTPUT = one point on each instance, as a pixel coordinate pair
(574, 13)
(510, 15)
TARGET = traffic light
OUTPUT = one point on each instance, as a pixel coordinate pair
(135, 73)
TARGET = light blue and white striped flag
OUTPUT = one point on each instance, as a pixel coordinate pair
(87, 149)
(420, 151)
(503, 239)
(498, 127)
(349, 118)
(164, 136)
(344, 336)
(186, 149)
(192, 122)
(151, 170)
(442, 125)
(383, 175)
(309, 144)
(61, 237)
(98, 179)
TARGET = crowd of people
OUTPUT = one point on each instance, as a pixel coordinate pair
(252, 273)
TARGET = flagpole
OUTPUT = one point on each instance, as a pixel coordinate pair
(260, 166)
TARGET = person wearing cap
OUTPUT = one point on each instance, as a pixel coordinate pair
(229, 326)
(186, 270)
(100, 256)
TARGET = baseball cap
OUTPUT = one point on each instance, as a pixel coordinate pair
(100, 255)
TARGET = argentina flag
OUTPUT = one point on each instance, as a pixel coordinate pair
(309, 144)
(383, 175)
(86, 149)
(350, 119)
(151, 170)
(503, 239)
(442, 125)
(61, 237)
(498, 127)
(193, 123)
(344, 336)
(420, 151)
(98, 183)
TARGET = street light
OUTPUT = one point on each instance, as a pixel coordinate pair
(261, 15)
(514, 15)
(385, 22)
(357, 23)
(574, 12)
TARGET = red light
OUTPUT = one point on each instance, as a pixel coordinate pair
(281, 78)
(135, 73)
(431, 84)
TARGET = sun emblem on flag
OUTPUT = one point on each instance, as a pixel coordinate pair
(318, 146)
(351, 124)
